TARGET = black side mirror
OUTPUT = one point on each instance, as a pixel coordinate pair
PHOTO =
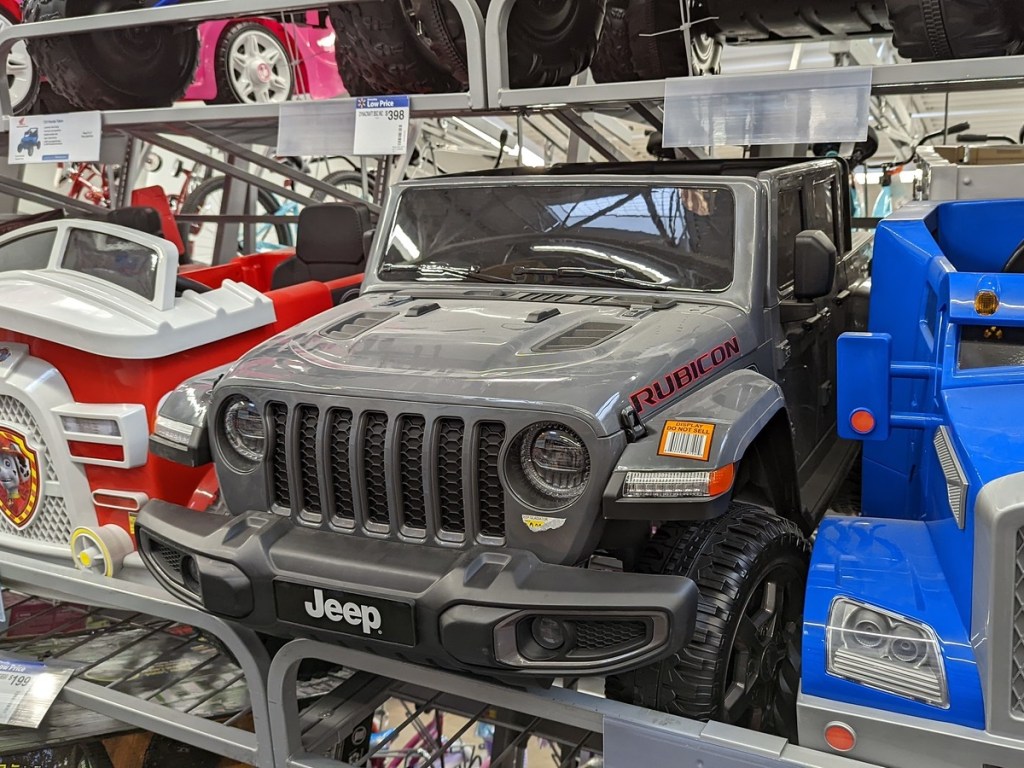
(815, 265)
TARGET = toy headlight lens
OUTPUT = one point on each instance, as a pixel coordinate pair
(883, 650)
(244, 429)
(550, 465)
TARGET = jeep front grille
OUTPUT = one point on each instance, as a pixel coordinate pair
(407, 475)
(1017, 670)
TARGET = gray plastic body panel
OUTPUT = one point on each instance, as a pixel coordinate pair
(898, 741)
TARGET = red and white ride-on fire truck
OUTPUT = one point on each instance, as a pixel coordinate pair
(97, 326)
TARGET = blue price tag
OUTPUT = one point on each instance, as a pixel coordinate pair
(382, 125)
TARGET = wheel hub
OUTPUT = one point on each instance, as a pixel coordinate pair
(260, 71)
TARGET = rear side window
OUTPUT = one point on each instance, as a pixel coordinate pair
(27, 252)
(823, 207)
(791, 224)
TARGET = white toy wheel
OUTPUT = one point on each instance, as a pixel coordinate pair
(101, 550)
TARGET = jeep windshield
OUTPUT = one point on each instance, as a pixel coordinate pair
(666, 237)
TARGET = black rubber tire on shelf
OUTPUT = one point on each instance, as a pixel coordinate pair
(935, 30)
(379, 53)
(548, 42)
(664, 55)
(265, 201)
(343, 179)
(226, 92)
(49, 102)
(137, 68)
(613, 61)
(733, 560)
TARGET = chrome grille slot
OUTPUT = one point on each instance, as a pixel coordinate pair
(451, 434)
(490, 493)
(375, 459)
(1017, 646)
(339, 434)
(410, 470)
(279, 455)
(424, 477)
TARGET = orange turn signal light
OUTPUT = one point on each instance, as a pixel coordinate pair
(840, 737)
(720, 480)
(986, 303)
(862, 421)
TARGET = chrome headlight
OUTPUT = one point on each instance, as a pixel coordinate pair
(549, 465)
(880, 649)
(244, 429)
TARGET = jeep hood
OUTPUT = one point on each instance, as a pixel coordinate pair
(587, 358)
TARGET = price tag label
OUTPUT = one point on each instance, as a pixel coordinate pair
(382, 125)
(28, 690)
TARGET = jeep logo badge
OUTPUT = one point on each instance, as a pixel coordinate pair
(357, 615)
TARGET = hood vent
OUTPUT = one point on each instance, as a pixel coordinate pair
(356, 325)
(583, 336)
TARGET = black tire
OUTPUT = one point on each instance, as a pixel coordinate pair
(136, 68)
(343, 179)
(934, 30)
(664, 55)
(548, 42)
(379, 53)
(733, 560)
(613, 62)
(228, 91)
(49, 102)
(389, 47)
(266, 203)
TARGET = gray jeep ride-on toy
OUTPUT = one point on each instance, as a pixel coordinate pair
(578, 423)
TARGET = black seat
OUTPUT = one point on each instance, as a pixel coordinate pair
(1015, 265)
(140, 218)
(330, 244)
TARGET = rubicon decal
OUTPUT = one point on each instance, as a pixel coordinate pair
(674, 383)
(19, 478)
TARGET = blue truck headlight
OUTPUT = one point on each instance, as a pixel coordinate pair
(882, 650)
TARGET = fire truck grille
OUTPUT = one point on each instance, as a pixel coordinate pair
(1017, 670)
(51, 523)
(404, 475)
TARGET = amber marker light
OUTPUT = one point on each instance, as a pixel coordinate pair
(986, 303)
(862, 421)
(721, 480)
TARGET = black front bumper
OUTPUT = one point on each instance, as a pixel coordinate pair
(469, 609)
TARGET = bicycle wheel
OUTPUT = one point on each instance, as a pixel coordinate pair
(350, 182)
(206, 200)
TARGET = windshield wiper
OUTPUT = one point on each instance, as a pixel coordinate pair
(616, 276)
(471, 273)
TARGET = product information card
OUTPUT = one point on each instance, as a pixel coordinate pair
(70, 138)
(28, 690)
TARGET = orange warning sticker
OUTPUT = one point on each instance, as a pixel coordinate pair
(687, 440)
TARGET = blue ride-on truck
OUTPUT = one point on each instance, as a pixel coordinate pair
(914, 620)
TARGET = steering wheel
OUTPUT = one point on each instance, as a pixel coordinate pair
(182, 284)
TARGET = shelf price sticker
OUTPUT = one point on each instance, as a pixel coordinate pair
(687, 440)
(382, 125)
(28, 690)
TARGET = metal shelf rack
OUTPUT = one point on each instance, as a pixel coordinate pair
(139, 625)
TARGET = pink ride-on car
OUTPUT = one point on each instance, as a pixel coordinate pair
(260, 59)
